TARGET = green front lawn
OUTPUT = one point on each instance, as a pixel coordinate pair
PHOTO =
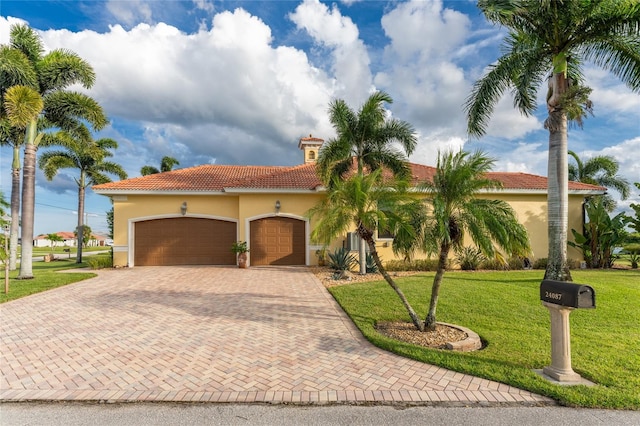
(46, 277)
(504, 308)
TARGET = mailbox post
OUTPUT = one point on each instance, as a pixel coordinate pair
(561, 298)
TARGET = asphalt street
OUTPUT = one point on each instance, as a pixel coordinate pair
(70, 414)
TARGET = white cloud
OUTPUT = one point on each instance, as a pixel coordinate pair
(229, 77)
(610, 95)
(329, 28)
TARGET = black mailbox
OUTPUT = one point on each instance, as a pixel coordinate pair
(567, 294)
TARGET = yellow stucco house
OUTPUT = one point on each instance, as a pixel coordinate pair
(192, 216)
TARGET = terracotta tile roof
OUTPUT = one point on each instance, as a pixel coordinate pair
(218, 178)
(298, 177)
(199, 178)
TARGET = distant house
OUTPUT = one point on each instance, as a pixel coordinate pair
(192, 216)
(69, 239)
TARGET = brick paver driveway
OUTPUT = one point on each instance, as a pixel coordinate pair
(210, 334)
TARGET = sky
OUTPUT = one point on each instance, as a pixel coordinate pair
(240, 82)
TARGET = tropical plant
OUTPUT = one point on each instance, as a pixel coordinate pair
(342, 260)
(166, 165)
(600, 170)
(54, 73)
(239, 247)
(601, 235)
(470, 258)
(356, 200)
(21, 102)
(455, 209)
(634, 222)
(552, 40)
(88, 156)
(370, 138)
(372, 268)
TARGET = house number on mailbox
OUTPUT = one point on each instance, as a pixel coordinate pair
(550, 295)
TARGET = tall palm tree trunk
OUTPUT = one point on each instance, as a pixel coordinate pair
(412, 314)
(81, 189)
(15, 209)
(430, 321)
(558, 181)
(28, 202)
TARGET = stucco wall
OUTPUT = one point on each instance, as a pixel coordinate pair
(531, 209)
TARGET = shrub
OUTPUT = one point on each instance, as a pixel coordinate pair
(497, 265)
(469, 258)
(342, 260)
(372, 268)
(412, 265)
(99, 262)
(540, 263)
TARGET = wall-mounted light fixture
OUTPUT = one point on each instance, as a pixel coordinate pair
(277, 206)
(183, 208)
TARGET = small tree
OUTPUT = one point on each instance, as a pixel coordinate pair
(455, 209)
(86, 234)
(355, 202)
(54, 238)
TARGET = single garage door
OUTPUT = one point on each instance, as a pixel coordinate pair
(184, 241)
(277, 241)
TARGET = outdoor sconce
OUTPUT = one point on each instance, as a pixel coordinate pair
(277, 206)
(183, 208)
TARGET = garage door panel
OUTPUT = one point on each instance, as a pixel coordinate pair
(184, 241)
(277, 241)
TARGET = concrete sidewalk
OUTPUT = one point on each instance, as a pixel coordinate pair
(212, 334)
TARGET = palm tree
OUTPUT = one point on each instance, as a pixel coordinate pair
(55, 72)
(551, 40)
(455, 210)
(166, 165)
(371, 138)
(20, 105)
(88, 156)
(16, 70)
(600, 170)
(357, 200)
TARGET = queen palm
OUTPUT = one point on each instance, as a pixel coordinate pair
(166, 165)
(81, 152)
(551, 40)
(600, 170)
(55, 72)
(370, 138)
(356, 200)
(454, 209)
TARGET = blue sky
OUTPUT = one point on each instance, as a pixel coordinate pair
(239, 82)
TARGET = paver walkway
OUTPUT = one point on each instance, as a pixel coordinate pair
(211, 334)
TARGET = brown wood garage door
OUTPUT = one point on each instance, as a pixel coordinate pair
(277, 241)
(184, 241)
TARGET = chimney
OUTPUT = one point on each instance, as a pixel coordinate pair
(310, 146)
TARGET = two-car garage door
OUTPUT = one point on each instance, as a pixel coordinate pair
(184, 241)
(199, 241)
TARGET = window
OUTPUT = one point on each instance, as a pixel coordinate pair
(312, 155)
